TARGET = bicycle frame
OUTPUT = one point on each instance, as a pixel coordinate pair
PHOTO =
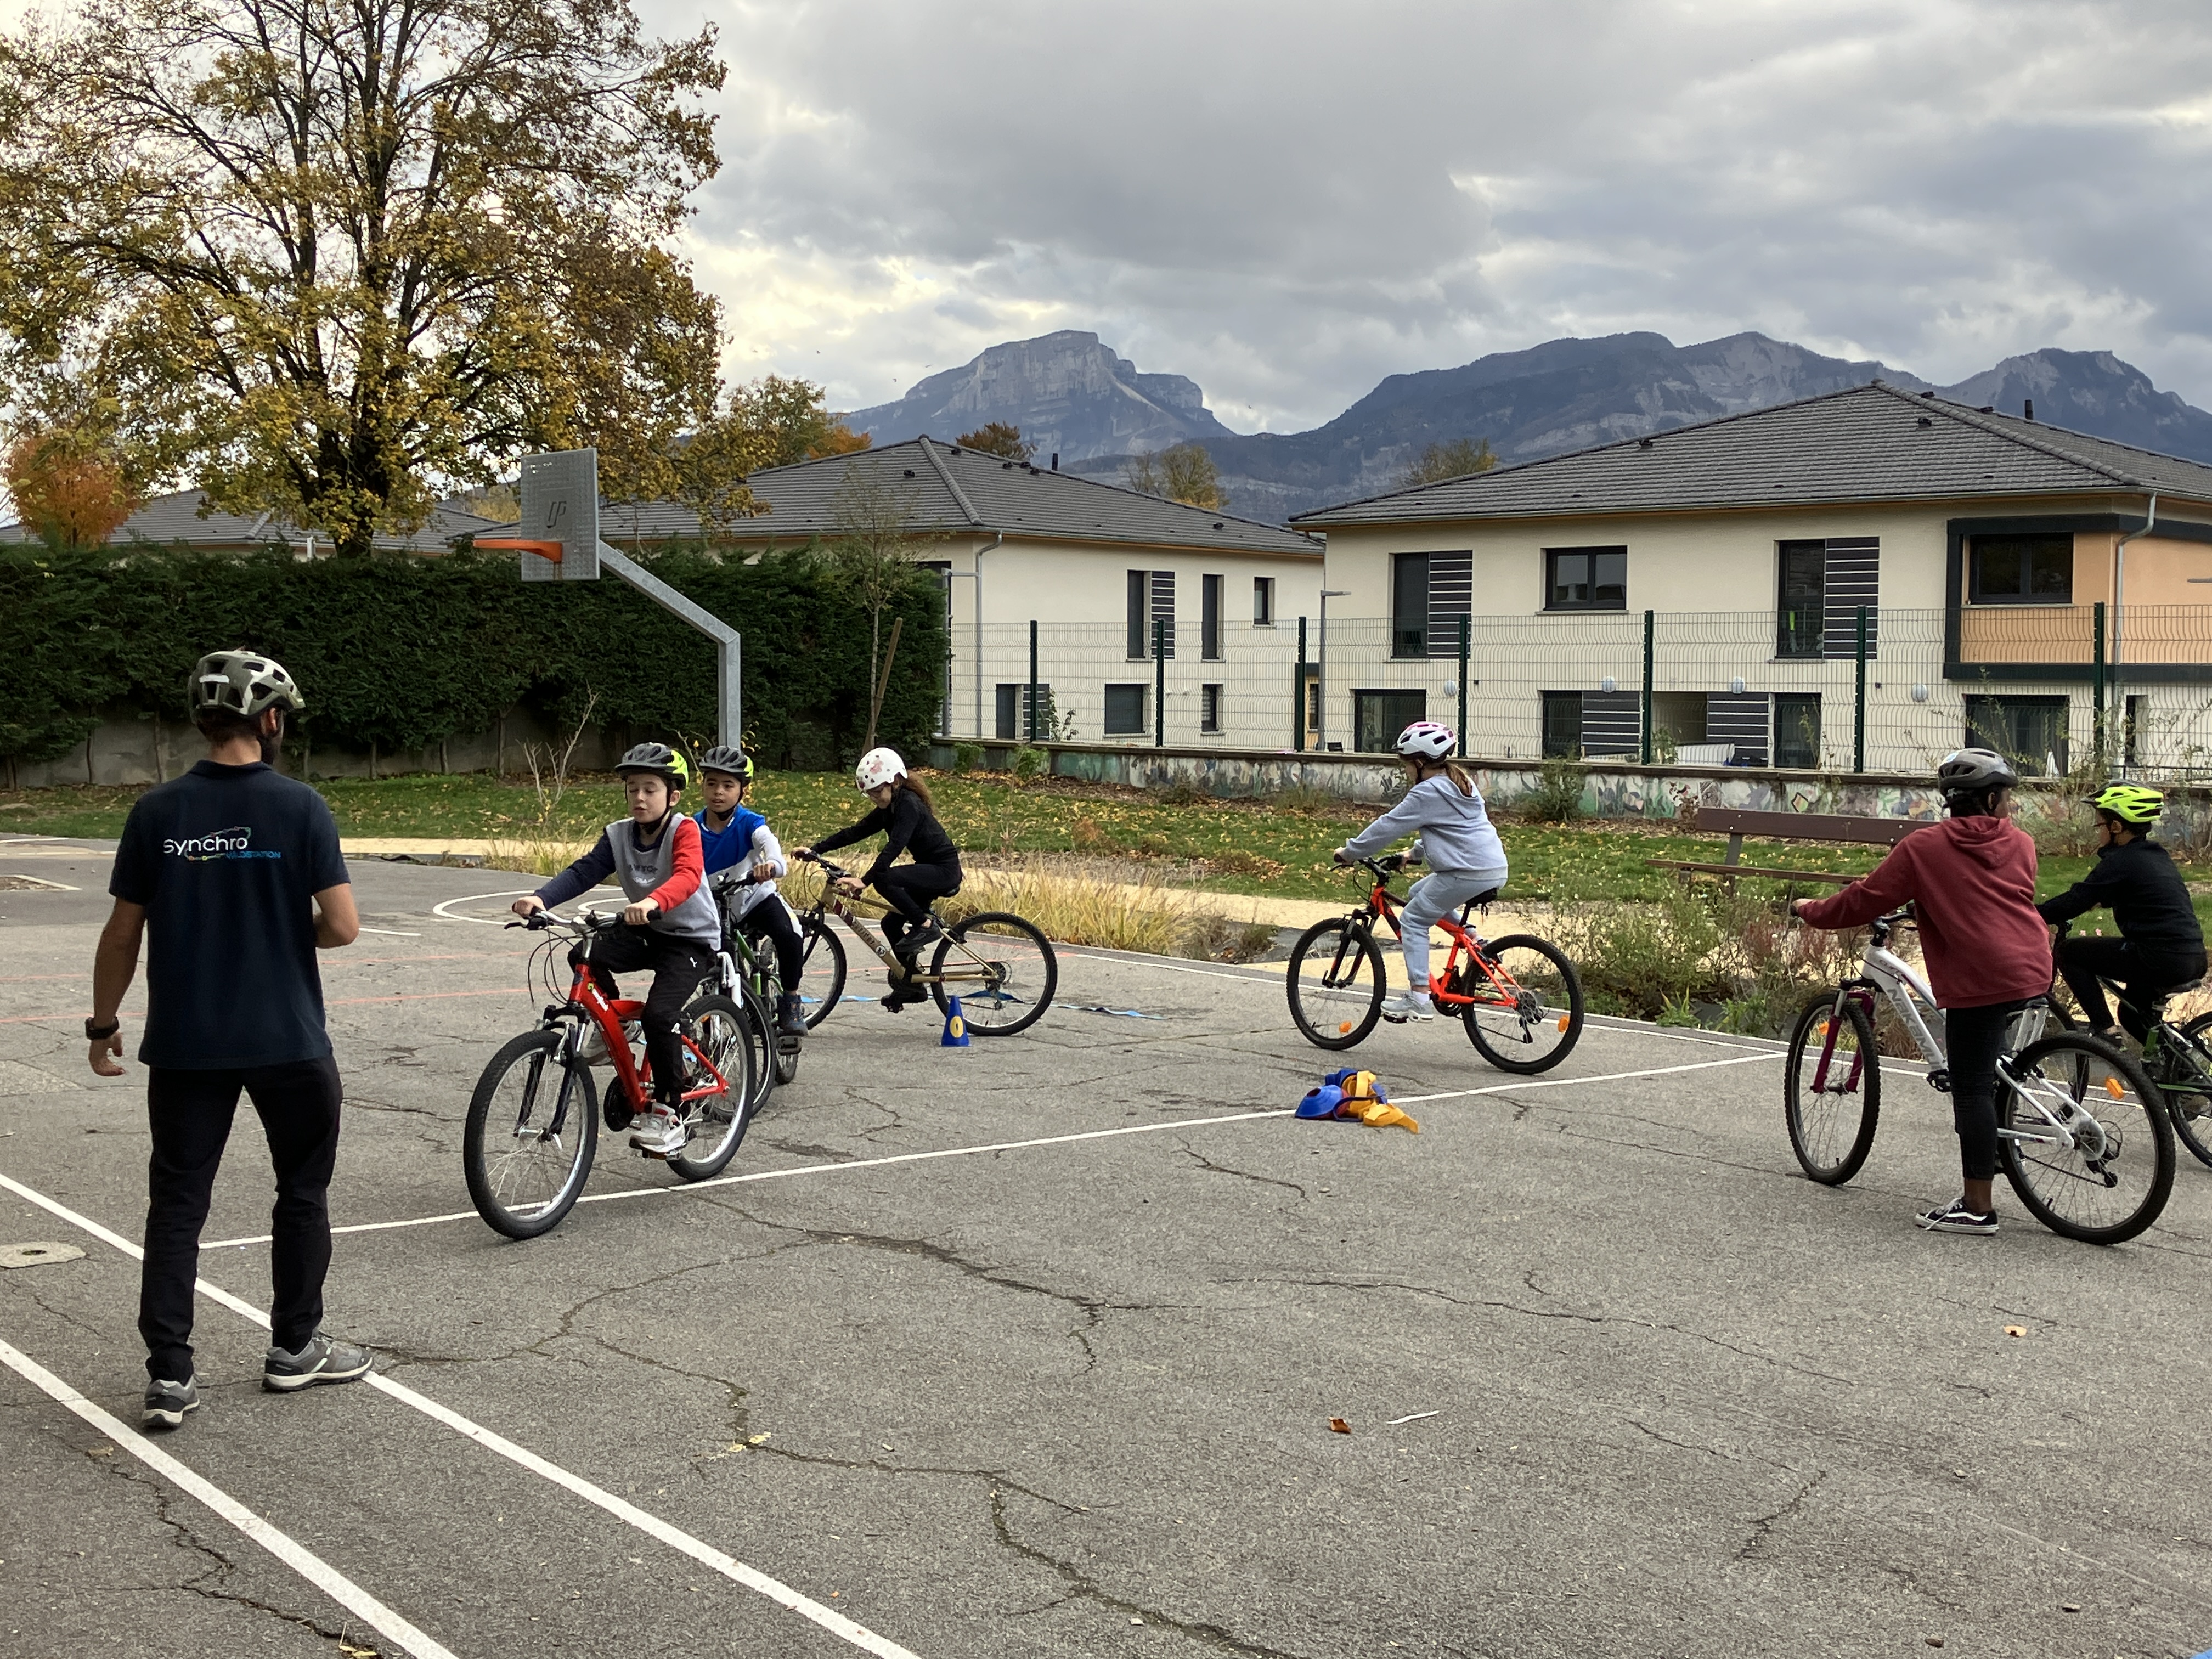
(608, 1013)
(976, 970)
(1384, 905)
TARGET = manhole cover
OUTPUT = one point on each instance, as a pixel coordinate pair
(36, 1255)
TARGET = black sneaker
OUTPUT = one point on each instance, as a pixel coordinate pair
(324, 1359)
(167, 1402)
(1956, 1217)
(920, 939)
(790, 1018)
(901, 993)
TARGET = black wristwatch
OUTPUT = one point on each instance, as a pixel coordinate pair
(96, 1032)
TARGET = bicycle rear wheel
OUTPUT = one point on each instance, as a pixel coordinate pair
(2190, 1095)
(822, 980)
(533, 1127)
(1335, 983)
(2113, 1181)
(1014, 983)
(1831, 1089)
(1528, 1018)
(725, 1033)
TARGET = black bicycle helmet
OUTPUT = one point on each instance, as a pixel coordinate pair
(1974, 772)
(723, 758)
(241, 682)
(658, 759)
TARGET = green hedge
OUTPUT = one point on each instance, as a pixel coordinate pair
(403, 652)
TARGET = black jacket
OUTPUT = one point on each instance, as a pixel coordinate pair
(910, 827)
(2149, 900)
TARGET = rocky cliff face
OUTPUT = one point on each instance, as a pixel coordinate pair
(1067, 392)
(2092, 392)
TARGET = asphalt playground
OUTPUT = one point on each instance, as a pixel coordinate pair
(1033, 1348)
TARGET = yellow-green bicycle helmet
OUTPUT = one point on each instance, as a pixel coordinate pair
(2129, 802)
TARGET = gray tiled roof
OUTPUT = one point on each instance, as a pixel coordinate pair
(175, 519)
(1864, 444)
(951, 491)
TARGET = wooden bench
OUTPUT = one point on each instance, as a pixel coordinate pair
(1834, 828)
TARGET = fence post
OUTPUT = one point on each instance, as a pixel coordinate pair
(1031, 725)
(1644, 754)
(2097, 683)
(1298, 697)
(1858, 706)
(1159, 682)
(1464, 630)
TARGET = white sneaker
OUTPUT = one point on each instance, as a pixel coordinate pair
(592, 1051)
(1408, 1005)
(659, 1133)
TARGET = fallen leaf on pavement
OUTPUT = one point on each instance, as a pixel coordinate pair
(2015, 1330)
(1338, 1425)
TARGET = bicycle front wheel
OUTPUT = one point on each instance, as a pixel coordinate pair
(533, 1127)
(1831, 1089)
(822, 980)
(1527, 1012)
(1336, 984)
(723, 1033)
(1002, 967)
(2190, 1095)
(2085, 1139)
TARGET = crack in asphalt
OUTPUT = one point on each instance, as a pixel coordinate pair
(1082, 1587)
(1762, 1528)
(1207, 1164)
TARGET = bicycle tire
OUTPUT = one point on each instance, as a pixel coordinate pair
(1562, 981)
(2194, 1129)
(817, 936)
(1341, 1015)
(2081, 1078)
(1815, 1133)
(724, 1119)
(497, 1177)
(1007, 1004)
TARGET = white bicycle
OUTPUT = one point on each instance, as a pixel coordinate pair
(2083, 1135)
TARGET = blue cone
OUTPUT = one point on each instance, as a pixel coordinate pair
(955, 1027)
(1322, 1101)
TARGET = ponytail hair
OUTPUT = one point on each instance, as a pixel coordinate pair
(908, 780)
(1451, 768)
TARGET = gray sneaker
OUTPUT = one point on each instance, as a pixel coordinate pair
(167, 1402)
(324, 1359)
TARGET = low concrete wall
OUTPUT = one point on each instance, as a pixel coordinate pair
(140, 749)
(1611, 789)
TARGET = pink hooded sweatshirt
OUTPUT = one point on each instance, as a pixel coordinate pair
(1972, 884)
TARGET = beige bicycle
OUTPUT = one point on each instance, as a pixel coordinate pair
(999, 965)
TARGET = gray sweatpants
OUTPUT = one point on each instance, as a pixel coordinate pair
(1430, 900)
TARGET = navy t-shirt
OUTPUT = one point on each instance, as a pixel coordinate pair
(227, 860)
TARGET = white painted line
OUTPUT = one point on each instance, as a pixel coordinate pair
(439, 910)
(1003, 1146)
(706, 1554)
(393, 932)
(305, 1562)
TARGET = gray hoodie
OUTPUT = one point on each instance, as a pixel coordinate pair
(1456, 831)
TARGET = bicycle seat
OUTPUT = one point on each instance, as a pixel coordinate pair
(1480, 902)
(2195, 984)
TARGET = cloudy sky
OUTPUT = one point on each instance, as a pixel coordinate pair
(1287, 201)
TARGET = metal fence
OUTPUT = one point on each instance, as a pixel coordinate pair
(2053, 685)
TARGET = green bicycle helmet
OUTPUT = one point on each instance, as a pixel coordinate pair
(658, 759)
(2129, 802)
(723, 758)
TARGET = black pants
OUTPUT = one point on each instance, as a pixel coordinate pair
(2143, 974)
(771, 921)
(909, 888)
(189, 1113)
(1972, 1039)
(678, 965)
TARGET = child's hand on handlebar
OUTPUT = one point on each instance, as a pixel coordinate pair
(528, 905)
(850, 886)
(764, 873)
(1337, 855)
(639, 915)
(804, 854)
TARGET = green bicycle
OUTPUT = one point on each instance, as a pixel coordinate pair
(2178, 1057)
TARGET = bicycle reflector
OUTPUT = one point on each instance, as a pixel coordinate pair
(2113, 1088)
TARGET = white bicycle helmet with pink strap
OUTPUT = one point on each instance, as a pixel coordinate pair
(1426, 740)
(878, 767)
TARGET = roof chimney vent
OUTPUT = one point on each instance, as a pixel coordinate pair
(1927, 420)
(1643, 443)
(1930, 394)
(2028, 409)
(1987, 409)
(1055, 460)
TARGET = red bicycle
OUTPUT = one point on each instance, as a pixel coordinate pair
(1519, 997)
(534, 1121)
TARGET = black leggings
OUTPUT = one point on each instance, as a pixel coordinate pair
(1972, 1039)
(678, 965)
(909, 888)
(190, 1113)
(770, 920)
(2143, 974)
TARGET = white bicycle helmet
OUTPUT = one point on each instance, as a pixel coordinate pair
(241, 682)
(878, 767)
(1426, 740)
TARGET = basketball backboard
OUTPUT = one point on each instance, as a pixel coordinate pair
(560, 503)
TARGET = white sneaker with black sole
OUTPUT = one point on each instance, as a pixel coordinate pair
(1406, 1006)
(167, 1402)
(325, 1359)
(1956, 1217)
(659, 1133)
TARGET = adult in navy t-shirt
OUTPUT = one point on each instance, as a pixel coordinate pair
(226, 860)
